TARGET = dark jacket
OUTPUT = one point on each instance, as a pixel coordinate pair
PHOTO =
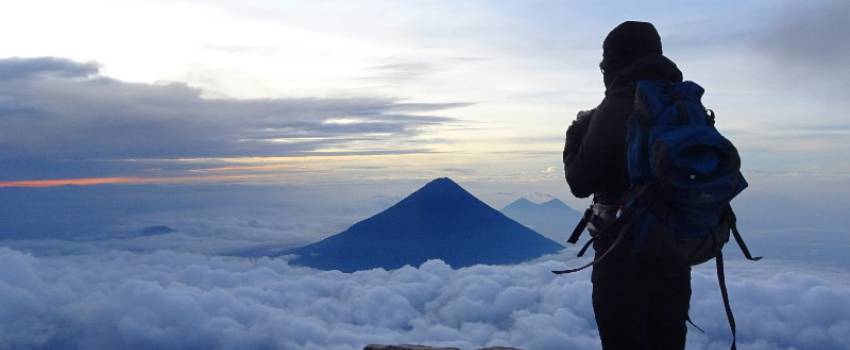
(595, 149)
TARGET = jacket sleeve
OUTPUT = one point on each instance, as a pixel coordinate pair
(596, 159)
(573, 141)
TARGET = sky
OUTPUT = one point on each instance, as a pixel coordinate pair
(331, 91)
(350, 101)
(143, 144)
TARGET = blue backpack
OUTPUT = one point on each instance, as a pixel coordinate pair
(682, 174)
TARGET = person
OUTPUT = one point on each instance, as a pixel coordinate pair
(639, 302)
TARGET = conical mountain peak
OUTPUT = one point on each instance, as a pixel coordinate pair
(442, 181)
(442, 185)
(437, 195)
(441, 220)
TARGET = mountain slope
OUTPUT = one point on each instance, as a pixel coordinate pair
(440, 220)
(554, 219)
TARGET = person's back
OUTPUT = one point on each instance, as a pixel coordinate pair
(639, 303)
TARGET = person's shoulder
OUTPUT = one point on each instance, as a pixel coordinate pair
(620, 92)
(617, 100)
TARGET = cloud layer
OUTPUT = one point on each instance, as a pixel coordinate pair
(64, 112)
(169, 300)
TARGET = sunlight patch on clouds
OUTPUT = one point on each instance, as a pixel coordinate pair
(345, 121)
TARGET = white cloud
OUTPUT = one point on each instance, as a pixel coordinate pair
(168, 300)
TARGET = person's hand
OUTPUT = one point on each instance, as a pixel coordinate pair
(579, 126)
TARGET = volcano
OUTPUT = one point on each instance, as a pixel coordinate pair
(554, 219)
(441, 220)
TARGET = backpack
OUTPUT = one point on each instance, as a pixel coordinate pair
(682, 175)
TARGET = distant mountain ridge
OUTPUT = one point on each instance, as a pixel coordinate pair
(553, 218)
(441, 220)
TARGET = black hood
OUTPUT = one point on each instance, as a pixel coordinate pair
(652, 67)
(629, 42)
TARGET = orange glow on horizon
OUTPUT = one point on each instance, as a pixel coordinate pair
(91, 181)
(68, 182)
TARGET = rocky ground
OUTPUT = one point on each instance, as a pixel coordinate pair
(423, 347)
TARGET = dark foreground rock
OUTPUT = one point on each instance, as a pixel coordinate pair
(403, 347)
(423, 347)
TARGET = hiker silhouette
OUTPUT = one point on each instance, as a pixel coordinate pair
(638, 304)
(661, 176)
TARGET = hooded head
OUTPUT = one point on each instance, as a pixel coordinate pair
(627, 43)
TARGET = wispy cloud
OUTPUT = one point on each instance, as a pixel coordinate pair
(62, 110)
(400, 72)
(27, 68)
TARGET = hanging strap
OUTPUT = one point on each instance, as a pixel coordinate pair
(739, 239)
(599, 258)
(721, 279)
(721, 274)
(582, 224)
(695, 325)
(586, 245)
(626, 224)
(585, 218)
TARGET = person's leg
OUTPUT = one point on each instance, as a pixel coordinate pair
(669, 300)
(619, 303)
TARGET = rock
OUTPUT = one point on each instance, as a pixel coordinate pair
(403, 347)
(423, 347)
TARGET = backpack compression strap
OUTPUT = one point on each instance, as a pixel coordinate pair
(739, 239)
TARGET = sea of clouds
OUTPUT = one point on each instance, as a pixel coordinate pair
(172, 300)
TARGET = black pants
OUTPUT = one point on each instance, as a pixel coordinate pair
(640, 303)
